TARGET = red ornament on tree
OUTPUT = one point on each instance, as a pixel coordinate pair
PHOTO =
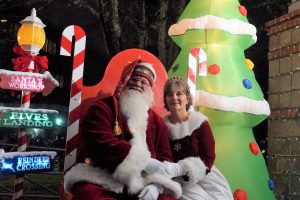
(254, 148)
(214, 69)
(239, 194)
(243, 10)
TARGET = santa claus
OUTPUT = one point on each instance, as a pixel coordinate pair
(125, 145)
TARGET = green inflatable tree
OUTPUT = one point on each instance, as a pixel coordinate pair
(213, 35)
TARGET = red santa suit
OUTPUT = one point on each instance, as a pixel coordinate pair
(118, 160)
(194, 138)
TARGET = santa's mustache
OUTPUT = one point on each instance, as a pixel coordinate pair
(136, 88)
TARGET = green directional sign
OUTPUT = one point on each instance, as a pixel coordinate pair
(29, 118)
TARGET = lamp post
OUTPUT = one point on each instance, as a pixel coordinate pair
(31, 34)
(31, 38)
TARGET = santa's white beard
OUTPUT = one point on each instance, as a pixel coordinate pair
(133, 103)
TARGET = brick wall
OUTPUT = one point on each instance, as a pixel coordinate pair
(284, 100)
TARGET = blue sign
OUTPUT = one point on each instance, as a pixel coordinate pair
(26, 164)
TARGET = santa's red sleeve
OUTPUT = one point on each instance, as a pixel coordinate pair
(99, 143)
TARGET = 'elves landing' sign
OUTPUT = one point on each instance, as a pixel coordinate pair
(26, 162)
(31, 118)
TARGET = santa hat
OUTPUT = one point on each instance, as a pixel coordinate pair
(136, 68)
(145, 70)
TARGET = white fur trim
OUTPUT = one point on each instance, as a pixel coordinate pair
(236, 104)
(195, 168)
(84, 173)
(168, 184)
(130, 169)
(185, 128)
(233, 26)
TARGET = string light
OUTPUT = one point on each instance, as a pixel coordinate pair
(285, 116)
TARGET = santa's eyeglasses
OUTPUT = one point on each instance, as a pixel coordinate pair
(136, 79)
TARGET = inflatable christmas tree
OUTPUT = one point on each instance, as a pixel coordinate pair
(213, 35)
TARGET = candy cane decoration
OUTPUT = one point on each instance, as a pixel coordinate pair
(22, 141)
(197, 58)
(76, 87)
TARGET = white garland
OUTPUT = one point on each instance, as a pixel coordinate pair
(234, 26)
(238, 104)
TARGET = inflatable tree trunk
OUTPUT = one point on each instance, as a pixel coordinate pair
(213, 35)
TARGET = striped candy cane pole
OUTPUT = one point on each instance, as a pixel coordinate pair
(76, 87)
(197, 58)
(22, 141)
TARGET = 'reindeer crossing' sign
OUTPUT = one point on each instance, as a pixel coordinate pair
(12, 163)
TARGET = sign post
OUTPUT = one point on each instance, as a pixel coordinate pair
(30, 76)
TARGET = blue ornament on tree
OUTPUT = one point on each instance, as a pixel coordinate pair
(247, 84)
(271, 184)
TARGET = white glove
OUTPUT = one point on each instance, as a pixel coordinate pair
(150, 192)
(174, 169)
(155, 166)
